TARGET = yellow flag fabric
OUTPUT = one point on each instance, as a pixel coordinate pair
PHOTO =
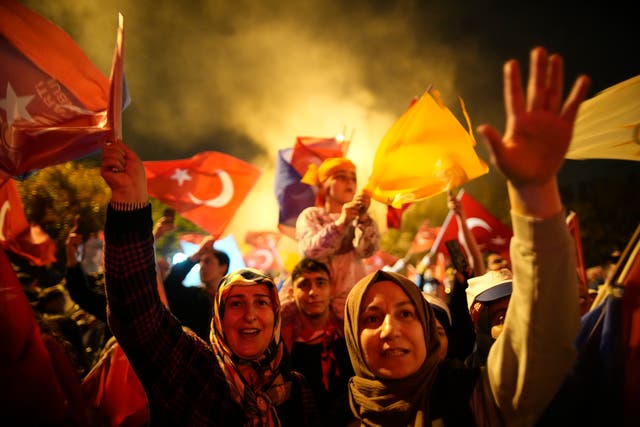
(608, 125)
(425, 152)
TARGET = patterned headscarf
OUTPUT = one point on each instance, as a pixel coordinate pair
(378, 401)
(257, 385)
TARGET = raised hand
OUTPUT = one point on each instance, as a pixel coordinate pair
(538, 128)
(73, 242)
(123, 172)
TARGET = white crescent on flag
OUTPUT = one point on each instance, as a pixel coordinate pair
(221, 199)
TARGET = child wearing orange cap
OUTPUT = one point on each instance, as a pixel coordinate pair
(338, 230)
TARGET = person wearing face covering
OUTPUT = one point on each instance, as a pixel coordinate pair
(338, 230)
(390, 328)
(242, 377)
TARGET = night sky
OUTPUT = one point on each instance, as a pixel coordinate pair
(247, 77)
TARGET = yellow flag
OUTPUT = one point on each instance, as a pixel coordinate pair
(608, 125)
(425, 152)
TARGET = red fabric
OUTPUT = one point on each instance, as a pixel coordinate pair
(574, 228)
(630, 279)
(16, 235)
(264, 255)
(424, 238)
(113, 386)
(116, 83)
(52, 98)
(194, 238)
(378, 260)
(262, 239)
(309, 150)
(264, 259)
(394, 216)
(489, 232)
(32, 394)
(207, 189)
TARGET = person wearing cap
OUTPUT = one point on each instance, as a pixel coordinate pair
(241, 377)
(488, 297)
(338, 230)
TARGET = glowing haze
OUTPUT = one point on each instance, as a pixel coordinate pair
(247, 78)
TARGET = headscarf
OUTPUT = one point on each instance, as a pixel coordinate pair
(257, 385)
(316, 176)
(383, 402)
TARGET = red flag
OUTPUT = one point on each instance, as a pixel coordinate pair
(113, 386)
(394, 215)
(265, 259)
(31, 390)
(378, 260)
(116, 83)
(264, 256)
(293, 196)
(490, 233)
(53, 100)
(627, 276)
(207, 189)
(262, 239)
(309, 150)
(17, 235)
(574, 229)
(424, 238)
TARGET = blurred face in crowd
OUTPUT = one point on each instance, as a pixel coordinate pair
(93, 254)
(391, 335)
(496, 262)
(211, 271)
(341, 186)
(497, 311)
(312, 292)
(248, 320)
(444, 340)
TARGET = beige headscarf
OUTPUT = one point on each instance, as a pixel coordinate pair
(382, 402)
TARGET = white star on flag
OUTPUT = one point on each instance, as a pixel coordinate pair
(15, 106)
(181, 175)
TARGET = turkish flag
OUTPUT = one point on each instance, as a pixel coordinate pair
(424, 238)
(207, 189)
(294, 196)
(574, 229)
(394, 215)
(309, 150)
(264, 255)
(53, 99)
(262, 239)
(17, 235)
(378, 260)
(489, 232)
(113, 386)
(32, 392)
(264, 259)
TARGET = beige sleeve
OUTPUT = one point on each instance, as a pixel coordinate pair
(529, 360)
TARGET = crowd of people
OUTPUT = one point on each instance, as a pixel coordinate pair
(333, 346)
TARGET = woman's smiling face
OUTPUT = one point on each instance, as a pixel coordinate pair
(248, 320)
(391, 335)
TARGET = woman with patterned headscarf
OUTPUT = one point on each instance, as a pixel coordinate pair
(337, 231)
(245, 335)
(241, 377)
